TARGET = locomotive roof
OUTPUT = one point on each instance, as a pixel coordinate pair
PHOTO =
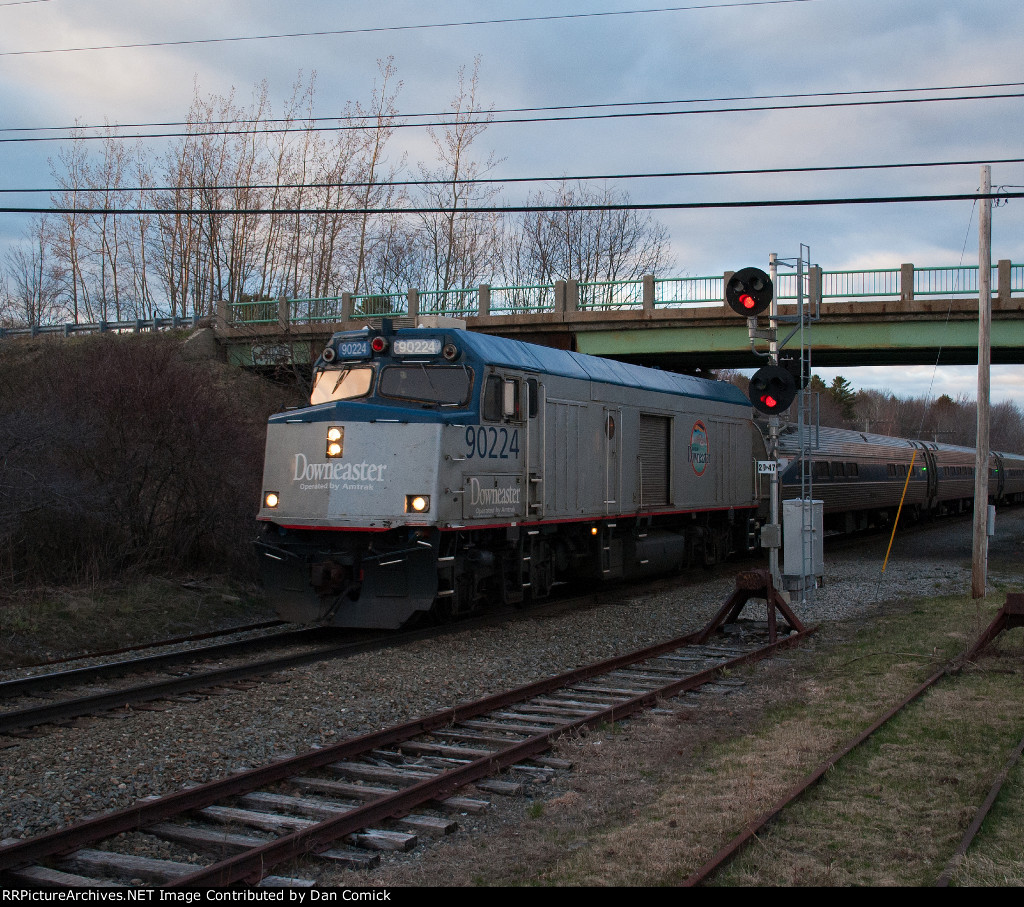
(502, 351)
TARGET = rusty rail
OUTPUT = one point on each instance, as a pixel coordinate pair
(253, 864)
(1010, 615)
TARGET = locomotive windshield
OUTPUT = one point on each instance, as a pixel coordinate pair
(341, 384)
(447, 385)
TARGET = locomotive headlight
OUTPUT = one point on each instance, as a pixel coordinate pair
(335, 441)
(417, 503)
(270, 499)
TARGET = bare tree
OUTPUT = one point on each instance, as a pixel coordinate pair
(31, 295)
(606, 244)
(459, 247)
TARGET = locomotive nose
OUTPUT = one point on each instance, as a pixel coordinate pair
(349, 475)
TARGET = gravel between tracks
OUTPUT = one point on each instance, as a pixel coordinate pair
(109, 762)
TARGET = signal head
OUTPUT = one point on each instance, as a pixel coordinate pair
(772, 390)
(749, 292)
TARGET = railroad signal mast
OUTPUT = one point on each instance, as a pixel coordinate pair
(751, 292)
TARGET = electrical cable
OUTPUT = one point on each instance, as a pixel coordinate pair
(384, 184)
(485, 112)
(526, 209)
(398, 28)
(539, 119)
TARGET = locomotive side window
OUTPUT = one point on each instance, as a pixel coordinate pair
(492, 399)
(447, 385)
(534, 395)
(341, 384)
(501, 399)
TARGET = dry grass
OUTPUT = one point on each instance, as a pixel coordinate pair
(42, 624)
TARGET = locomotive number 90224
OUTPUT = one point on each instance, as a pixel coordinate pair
(490, 443)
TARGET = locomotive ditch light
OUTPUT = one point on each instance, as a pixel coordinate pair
(335, 441)
(749, 292)
(772, 390)
(271, 499)
(417, 503)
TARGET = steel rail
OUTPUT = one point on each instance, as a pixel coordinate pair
(22, 686)
(248, 865)
(954, 863)
(177, 640)
(1007, 616)
(22, 719)
(33, 716)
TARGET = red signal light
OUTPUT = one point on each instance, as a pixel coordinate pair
(378, 344)
(749, 291)
(772, 389)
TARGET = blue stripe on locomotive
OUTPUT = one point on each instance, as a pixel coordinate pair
(482, 350)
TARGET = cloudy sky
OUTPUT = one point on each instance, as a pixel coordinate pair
(712, 50)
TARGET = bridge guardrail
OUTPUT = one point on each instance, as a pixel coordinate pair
(649, 292)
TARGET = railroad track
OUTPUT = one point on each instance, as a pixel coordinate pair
(27, 718)
(62, 663)
(1010, 615)
(378, 791)
(65, 677)
(178, 684)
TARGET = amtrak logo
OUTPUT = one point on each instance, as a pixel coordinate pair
(697, 451)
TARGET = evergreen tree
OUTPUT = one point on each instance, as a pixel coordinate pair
(844, 395)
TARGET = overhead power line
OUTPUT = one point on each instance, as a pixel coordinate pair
(398, 28)
(457, 120)
(384, 184)
(106, 127)
(526, 209)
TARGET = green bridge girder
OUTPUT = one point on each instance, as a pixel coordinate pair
(864, 343)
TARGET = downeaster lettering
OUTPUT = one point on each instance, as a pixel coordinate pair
(341, 472)
(491, 496)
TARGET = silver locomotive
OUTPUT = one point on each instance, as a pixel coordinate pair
(437, 469)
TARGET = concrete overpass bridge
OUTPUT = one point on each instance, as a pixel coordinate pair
(898, 316)
(895, 316)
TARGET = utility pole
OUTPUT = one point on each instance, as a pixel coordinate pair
(979, 559)
(773, 426)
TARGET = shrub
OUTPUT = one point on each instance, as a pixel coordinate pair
(116, 454)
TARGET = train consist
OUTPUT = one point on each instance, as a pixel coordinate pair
(861, 477)
(437, 470)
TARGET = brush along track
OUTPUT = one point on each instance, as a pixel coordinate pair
(308, 804)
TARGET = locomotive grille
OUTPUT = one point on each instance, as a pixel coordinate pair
(655, 440)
